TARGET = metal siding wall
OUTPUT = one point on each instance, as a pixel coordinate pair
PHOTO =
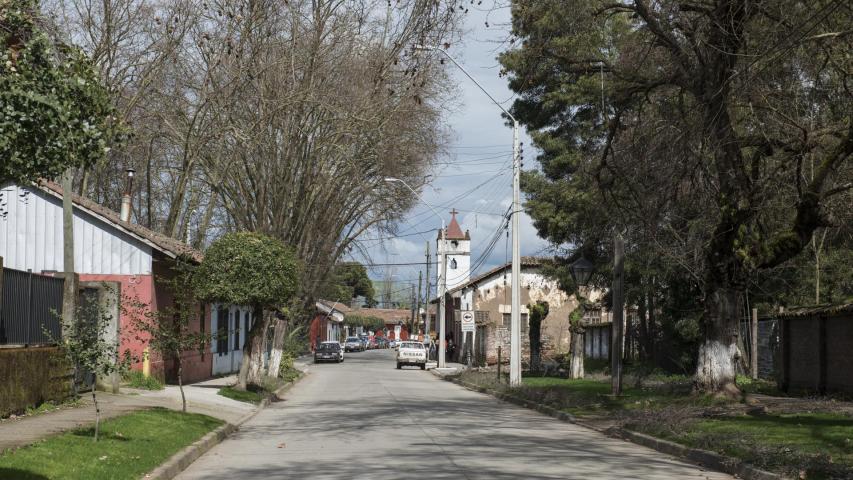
(31, 238)
(31, 305)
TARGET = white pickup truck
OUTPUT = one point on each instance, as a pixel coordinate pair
(411, 353)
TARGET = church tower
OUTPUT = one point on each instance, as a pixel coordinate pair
(457, 246)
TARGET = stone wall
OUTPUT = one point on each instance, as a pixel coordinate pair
(30, 377)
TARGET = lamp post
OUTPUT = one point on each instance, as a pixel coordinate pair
(581, 271)
(442, 286)
(515, 317)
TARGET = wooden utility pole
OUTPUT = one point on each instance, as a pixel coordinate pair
(618, 314)
(69, 295)
(427, 320)
(418, 304)
(753, 344)
(412, 320)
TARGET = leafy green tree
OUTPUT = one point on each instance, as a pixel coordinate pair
(538, 312)
(169, 329)
(54, 113)
(368, 322)
(695, 122)
(349, 280)
(246, 268)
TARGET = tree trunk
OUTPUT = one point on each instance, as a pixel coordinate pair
(180, 361)
(577, 353)
(279, 332)
(97, 411)
(716, 369)
(251, 366)
(643, 330)
(535, 345)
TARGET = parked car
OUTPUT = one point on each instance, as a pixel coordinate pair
(411, 353)
(329, 352)
(353, 344)
(381, 342)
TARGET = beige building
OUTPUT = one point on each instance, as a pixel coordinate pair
(488, 295)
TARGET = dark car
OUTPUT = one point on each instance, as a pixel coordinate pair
(381, 342)
(329, 352)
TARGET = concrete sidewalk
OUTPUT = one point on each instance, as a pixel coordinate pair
(201, 398)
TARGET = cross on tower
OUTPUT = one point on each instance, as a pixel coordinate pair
(453, 212)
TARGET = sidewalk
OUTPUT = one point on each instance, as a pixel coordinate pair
(201, 398)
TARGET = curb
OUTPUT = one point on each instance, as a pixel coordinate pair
(703, 458)
(178, 462)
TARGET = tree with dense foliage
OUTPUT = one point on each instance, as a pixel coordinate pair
(54, 113)
(715, 132)
(246, 268)
(348, 281)
(537, 313)
(367, 322)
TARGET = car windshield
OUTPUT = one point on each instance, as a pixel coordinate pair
(412, 345)
(353, 339)
(330, 347)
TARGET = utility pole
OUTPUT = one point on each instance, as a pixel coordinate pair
(618, 314)
(418, 305)
(442, 289)
(69, 295)
(412, 320)
(515, 317)
(427, 319)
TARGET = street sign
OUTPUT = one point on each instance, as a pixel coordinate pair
(468, 323)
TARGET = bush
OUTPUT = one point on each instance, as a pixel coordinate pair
(135, 379)
(287, 371)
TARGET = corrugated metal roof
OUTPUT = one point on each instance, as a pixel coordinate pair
(816, 310)
(163, 243)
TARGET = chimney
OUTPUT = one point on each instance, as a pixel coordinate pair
(125, 199)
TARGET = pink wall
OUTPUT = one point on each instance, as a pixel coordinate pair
(134, 288)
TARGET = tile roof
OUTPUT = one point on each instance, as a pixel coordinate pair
(338, 306)
(388, 315)
(816, 310)
(454, 231)
(167, 245)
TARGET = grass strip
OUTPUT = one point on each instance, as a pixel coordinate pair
(129, 446)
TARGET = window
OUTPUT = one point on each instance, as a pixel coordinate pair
(453, 264)
(507, 322)
(247, 324)
(222, 330)
(592, 316)
(237, 330)
(201, 320)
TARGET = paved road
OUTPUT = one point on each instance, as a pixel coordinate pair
(365, 419)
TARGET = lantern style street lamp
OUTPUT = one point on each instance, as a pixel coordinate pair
(581, 271)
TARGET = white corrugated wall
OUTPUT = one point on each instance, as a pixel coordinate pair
(31, 237)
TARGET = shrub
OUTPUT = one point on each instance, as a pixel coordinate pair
(135, 379)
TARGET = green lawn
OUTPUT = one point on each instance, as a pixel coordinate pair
(591, 397)
(808, 444)
(248, 396)
(818, 445)
(129, 446)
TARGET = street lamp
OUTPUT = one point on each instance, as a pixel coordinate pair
(515, 318)
(581, 271)
(442, 287)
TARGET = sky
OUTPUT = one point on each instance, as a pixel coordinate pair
(477, 178)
